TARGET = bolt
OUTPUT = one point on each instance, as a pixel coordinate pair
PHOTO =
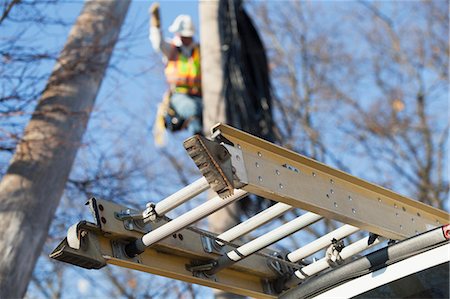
(103, 219)
(100, 207)
(129, 225)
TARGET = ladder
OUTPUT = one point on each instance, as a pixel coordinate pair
(234, 164)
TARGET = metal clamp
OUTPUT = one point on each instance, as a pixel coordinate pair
(210, 245)
(133, 221)
(128, 214)
(199, 269)
(283, 271)
(333, 253)
(149, 213)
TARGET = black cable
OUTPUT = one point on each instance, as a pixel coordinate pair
(246, 88)
(246, 84)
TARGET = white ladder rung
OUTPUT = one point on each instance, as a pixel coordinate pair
(273, 236)
(321, 243)
(181, 196)
(254, 222)
(346, 252)
(212, 205)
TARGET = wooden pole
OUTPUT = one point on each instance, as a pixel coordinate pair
(35, 180)
(214, 104)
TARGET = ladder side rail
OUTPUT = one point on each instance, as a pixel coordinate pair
(270, 171)
(167, 258)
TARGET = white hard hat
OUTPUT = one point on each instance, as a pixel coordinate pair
(183, 26)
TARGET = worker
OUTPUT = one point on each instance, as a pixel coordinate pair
(182, 105)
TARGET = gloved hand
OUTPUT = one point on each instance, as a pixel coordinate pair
(154, 15)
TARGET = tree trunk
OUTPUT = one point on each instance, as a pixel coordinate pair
(212, 73)
(214, 105)
(34, 183)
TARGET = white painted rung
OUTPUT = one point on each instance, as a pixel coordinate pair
(321, 243)
(212, 205)
(181, 196)
(347, 252)
(254, 222)
(273, 236)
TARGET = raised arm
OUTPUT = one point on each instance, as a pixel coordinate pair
(155, 32)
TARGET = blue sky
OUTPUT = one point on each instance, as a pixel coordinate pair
(127, 102)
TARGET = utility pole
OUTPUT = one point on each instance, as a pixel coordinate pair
(214, 105)
(34, 183)
(212, 79)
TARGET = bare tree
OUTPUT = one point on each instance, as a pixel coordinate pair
(405, 127)
(23, 59)
(7, 6)
(347, 81)
(374, 74)
(35, 180)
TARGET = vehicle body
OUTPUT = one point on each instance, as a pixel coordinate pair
(417, 267)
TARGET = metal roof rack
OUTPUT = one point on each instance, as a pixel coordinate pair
(233, 164)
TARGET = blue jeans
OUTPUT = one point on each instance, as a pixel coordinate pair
(190, 108)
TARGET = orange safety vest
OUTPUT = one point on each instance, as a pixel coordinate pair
(183, 73)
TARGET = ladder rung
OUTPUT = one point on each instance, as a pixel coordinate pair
(347, 252)
(254, 222)
(181, 196)
(191, 217)
(321, 243)
(265, 240)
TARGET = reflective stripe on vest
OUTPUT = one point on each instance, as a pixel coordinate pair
(183, 73)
